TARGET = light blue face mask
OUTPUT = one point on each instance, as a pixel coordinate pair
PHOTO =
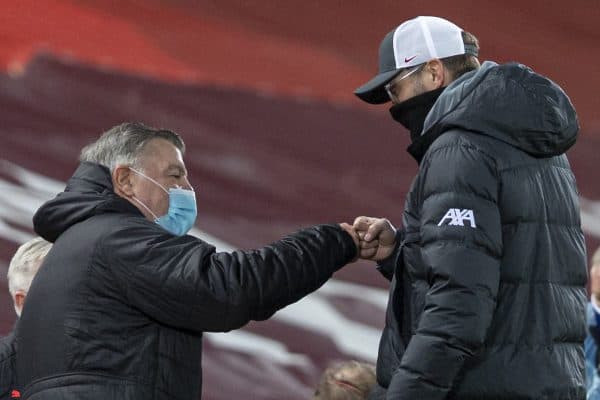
(181, 215)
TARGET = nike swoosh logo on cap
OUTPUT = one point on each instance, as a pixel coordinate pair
(409, 59)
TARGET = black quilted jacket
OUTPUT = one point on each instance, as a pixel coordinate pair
(118, 308)
(488, 290)
(8, 355)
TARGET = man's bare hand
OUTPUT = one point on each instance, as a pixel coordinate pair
(377, 237)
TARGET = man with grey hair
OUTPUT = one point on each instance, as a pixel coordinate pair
(22, 268)
(128, 321)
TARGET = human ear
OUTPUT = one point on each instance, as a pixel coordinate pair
(436, 73)
(19, 300)
(121, 177)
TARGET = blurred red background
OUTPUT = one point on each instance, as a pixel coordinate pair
(262, 93)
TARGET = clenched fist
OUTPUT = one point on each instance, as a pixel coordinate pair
(377, 238)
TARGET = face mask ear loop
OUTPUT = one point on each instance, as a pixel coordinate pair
(145, 206)
(150, 179)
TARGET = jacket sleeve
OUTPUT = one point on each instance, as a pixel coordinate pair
(184, 283)
(387, 267)
(461, 245)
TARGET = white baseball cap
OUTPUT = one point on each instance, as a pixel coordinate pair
(414, 42)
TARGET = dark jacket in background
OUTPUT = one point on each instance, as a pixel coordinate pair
(488, 293)
(8, 354)
(119, 307)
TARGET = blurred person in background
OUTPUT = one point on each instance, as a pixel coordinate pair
(351, 380)
(22, 268)
(488, 273)
(119, 308)
(593, 338)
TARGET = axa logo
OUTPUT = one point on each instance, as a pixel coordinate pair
(458, 217)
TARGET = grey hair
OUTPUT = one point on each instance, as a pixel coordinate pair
(25, 264)
(122, 144)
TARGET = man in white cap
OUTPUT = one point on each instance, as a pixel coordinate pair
(488, 273)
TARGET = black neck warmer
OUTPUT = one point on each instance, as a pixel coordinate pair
(412, 112)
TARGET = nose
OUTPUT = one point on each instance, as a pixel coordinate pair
(186, 184)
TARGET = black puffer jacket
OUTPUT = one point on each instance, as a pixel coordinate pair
(8, 355)
(118, 308)
(488, 296)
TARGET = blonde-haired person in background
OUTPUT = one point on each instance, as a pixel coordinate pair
(351, 380)
(22, 268)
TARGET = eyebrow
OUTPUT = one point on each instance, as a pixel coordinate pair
(177, 168)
